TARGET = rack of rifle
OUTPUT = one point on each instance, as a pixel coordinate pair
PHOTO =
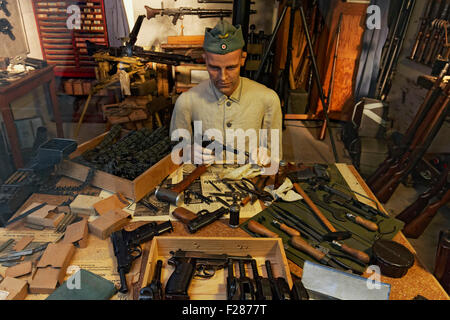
(432, 39)
(415, 142)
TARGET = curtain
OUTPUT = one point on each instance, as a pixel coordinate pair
(116, 22)
(369, 63)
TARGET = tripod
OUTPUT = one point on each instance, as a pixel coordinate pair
(296, 5)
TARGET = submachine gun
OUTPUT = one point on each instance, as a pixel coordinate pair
(132, 54)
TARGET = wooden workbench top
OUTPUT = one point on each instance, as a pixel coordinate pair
(98, 256)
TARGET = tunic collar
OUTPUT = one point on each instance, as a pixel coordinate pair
(221, 98)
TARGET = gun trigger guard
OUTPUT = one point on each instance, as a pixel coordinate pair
(203, 272)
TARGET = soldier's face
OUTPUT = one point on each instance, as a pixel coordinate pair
(224, 70)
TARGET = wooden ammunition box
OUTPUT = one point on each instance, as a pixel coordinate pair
(132, 189)
(215, 288)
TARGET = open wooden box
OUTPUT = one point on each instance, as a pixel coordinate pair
(132, 189)
(261, 249)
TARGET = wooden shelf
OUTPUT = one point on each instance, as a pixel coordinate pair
(63, 47)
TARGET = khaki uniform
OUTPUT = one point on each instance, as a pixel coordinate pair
(251, 106)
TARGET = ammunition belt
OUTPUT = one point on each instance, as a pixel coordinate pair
(131, 155)
(48, 187)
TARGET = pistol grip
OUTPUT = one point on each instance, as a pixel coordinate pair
(179, 281)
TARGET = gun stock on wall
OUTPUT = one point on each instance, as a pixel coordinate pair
(179, 13)
(414, 138)
(405, 167)
(411, 212)
(416, 227)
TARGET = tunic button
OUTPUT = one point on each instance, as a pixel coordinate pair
(229, 103)
(229, 124)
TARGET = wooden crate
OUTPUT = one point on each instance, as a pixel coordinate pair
(261, 249)
(132, 189)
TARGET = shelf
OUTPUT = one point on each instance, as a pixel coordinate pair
(66, 48)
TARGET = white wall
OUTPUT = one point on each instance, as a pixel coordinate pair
(156, 30)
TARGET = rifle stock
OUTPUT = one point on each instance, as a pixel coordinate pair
(420, 204)
(423, 27)
(151, 13)
(418, 121)
(421, 135)
(415, 228)
(385, 193)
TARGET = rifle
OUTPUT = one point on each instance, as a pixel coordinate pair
(390, 64)
(425, 21)
(435, 34)
(416, 227)
(333, 72)
(188, 264)
(179, 13)
(423, 111)
(405, 167)
(436, 10)
(411, 212)
(440, 25)
(417, 137)
(127, 246)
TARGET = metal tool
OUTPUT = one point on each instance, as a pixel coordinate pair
(27, 213)
(333, 238)
(175, 194)
(13, 256)
(6, 244)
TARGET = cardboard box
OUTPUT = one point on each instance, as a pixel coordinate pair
(116, 201)
(108, 223)
(77, 234)
(13, 289)
(51, 268)
(132, 189)
(260, 249)
(47, 216)
(84, 204)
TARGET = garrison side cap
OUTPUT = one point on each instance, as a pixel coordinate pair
(223, 38)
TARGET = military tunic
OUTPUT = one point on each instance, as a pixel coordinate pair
(251, 106)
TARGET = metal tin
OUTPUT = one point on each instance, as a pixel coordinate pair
(393, 258)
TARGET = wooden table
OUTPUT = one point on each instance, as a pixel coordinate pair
(20, 88)
(418, 280)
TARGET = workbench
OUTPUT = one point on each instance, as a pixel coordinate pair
(98, 256)
(19, 88)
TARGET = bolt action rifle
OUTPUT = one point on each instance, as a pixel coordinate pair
(410, 160)
(416, 227)
(426, 20)
(411, 212)
(438, 8)
(435, 33)
(412, 136)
